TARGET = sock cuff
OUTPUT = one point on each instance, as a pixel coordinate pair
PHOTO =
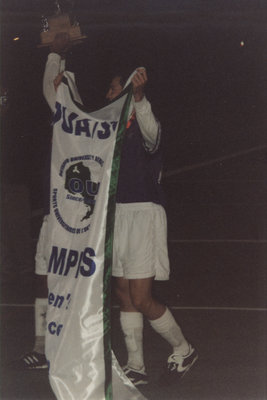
(131, 319)
(164, 320)
(41, 301)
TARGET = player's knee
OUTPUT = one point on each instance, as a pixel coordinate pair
(142, 304)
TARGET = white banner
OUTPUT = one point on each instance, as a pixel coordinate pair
(85, 157)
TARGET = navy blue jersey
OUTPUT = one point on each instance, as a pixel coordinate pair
(140, 170)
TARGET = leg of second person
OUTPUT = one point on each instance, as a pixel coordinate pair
(132, 325)
(158, 314)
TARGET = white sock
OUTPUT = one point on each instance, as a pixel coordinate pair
(132, 327)
(168, 328)
(40, 309)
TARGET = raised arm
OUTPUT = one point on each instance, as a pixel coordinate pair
(148, 124)
(54, 67)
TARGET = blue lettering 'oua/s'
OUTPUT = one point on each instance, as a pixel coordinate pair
(70, 123)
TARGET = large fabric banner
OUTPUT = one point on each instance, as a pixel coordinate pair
(84, 170)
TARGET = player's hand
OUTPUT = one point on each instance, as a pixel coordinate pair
(58, 80)
(61, 44)
(139, 80)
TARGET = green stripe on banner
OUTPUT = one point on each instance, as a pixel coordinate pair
(109, 244)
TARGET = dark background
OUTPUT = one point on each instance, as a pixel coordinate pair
(208, 91)
(210, 95)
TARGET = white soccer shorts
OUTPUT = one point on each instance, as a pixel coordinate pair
(140, 242)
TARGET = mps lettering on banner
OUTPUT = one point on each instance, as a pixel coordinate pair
(70, 123)
(68, 262)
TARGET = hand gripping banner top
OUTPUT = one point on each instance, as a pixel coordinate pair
(84, 173)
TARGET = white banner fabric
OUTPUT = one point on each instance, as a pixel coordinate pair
(77, 351)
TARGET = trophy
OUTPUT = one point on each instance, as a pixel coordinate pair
(61, 21)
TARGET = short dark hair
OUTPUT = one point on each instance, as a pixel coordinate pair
(123, 74)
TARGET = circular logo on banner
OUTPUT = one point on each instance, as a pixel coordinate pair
(73, 202)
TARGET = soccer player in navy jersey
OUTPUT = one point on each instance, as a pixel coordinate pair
(140, 238)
